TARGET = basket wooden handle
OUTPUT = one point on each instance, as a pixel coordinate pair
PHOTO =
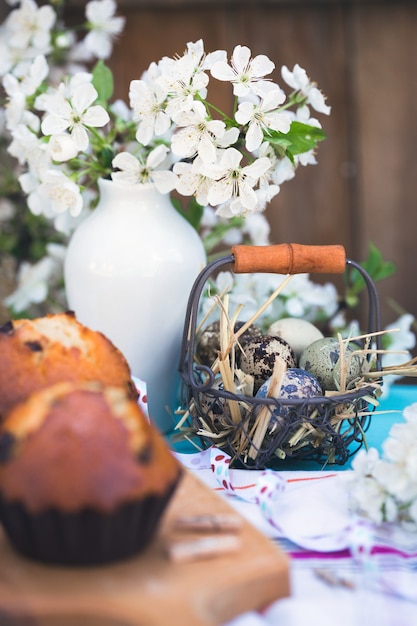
(289, 258)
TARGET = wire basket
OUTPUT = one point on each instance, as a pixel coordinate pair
(268, 432)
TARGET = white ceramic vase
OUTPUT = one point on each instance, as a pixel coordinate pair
(128, 273)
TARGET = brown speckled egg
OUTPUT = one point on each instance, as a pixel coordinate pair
(322, 359)
(208, 343)
(214, 409)
(260, 355)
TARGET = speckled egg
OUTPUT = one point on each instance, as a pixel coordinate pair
(298, 333)
(260, 354)
(208, 342)
(322, 359)
(296, 384)
(214, 409)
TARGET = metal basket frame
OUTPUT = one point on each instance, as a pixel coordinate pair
(338, 444)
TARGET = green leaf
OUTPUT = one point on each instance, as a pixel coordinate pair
(300, 138)
(103, 82)
(376, 267)
(194, 211)
(106, 157)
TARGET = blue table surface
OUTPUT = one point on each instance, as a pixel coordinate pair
(389, 411)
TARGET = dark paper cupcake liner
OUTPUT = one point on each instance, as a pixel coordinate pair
(87, 537)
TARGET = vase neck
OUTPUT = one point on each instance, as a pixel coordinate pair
(140, 196)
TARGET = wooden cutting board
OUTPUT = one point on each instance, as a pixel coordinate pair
(148, 590)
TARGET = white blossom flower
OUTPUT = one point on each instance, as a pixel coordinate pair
(401, 340)
(55, 194)
(136, 170)
(30, 26)
(25, 145)
(368, 498)
(256, 227)
(191, 182)
(231, 180)
(148, 104)
(198, 135)
(185, 78)
(105, 26)
(385, 489)
(262, 117)
(62, 147)
(32, 284)
(75, 115)
(246, 74)
(306, 158)
(298, 80)
(284, 170)
(29, 77)
(364, 461)
(18, 90)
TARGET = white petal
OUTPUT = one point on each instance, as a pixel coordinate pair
(229, 138)
(254, 137)
(126, 161)
(53, 125)
(288, 77)
(261, 65)
(272, 99)
(96, 116)
(247, 196)
(258, 168)
(231, 159)
(206, 149)
(62, 147)
(128, 177)
(80, 137)
(244, 112)
(278, 121)
(317, 101)
(185, 142)
(156, 156)
(241, 57)
(83, 96)
(164, 181)
(222, 71)
(144, 133)
(217, 127)
(162, 123)
(219, 192)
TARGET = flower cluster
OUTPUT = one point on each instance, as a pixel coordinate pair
(384, 488)
(38, 51)
(64, 130)
(67, 134)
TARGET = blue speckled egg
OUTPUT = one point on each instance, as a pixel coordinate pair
(296, 384)
(322, 359)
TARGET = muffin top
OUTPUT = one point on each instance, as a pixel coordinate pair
(72, 446)
(40, 352)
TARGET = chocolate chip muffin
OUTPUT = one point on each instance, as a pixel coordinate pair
(40, 352)
(84, 476)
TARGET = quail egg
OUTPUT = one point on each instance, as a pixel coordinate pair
(208, 343)
(260, 354)
(322, 359)
(296, 384)
(297, 332)
(214, 408)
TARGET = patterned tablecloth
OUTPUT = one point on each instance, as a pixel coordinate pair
(343, 570)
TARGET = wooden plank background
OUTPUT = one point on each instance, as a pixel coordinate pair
(363, 55)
